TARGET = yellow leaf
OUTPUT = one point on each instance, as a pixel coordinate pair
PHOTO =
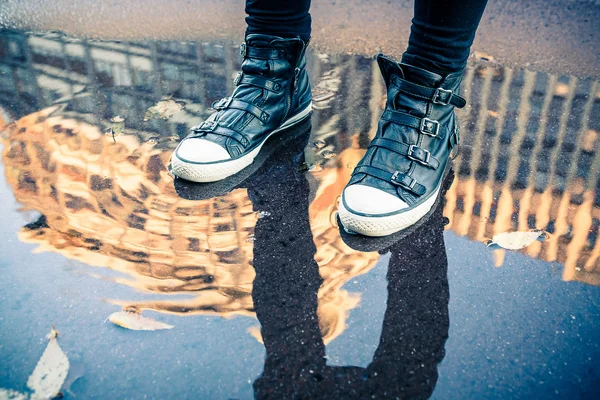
(481, 55)
(518, 240)
(164, 109)
(50, 372)
(134, 321)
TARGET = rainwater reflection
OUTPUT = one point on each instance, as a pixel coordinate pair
(530, 159)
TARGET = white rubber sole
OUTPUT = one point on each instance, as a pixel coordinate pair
(385, 225)
(216, 171)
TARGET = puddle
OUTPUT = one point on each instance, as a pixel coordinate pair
(530, 139)
(89, 127)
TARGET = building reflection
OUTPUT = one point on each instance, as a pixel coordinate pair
(529, 159)
(113, 205)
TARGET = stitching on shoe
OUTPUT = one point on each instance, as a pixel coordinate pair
(250, 116)
(414, 95)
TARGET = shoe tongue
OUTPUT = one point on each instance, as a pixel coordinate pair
(388, 68)
(420, 76)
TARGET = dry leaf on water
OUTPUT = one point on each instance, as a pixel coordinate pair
(164, 109)
(517, 240)
(481, 55)
(134, 321)
(116, 127)
(50, 372)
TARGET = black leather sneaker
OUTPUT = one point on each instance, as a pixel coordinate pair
(272, 94)
(273, 152)
(399, 179)
(379, 243)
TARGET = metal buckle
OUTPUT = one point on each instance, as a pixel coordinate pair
(437, 98)
(426, 127)
(223, 103)
(208, 125)
(395, 181)
(243, 50)
(205, 126)
(411, 150)
(238, 78)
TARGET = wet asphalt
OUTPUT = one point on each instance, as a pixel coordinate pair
(267, 297)
(557, 36)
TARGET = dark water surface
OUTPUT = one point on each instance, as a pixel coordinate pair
(266, 298)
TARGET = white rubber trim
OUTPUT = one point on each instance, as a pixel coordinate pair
(383, 226)
(212, 172)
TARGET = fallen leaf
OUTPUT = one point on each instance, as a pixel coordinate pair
(517, 240)
(481, 55)
(50, 372)
(164, 109)
(8, 394)
(134, 321)
(116, 127)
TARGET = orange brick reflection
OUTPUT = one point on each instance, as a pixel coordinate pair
(110, 204)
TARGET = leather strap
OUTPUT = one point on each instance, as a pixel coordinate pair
(258, 81)
(411, 151)
(434, 95)
(230, 102)
(395, 178)
(261, 53)
(213, 127)
(424, 125)
(454, 138)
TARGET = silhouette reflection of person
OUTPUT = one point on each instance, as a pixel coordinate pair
(415, 326)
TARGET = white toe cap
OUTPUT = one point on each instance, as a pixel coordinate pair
(201, 150)
(369, 200)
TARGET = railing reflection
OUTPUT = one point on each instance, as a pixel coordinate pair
(531, 160)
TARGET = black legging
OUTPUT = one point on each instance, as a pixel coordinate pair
(441, 36)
